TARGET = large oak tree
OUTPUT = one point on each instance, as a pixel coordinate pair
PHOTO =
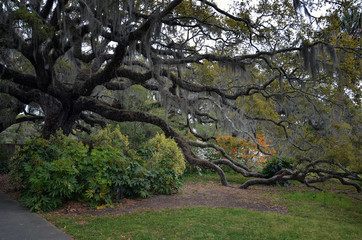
(258, 67)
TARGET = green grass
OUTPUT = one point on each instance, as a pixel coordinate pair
(325, 206)
(205, 223)
(313, 215)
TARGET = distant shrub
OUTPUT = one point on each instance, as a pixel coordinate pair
(246, 152)
(274, 165)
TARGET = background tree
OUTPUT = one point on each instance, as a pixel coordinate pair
(254, 68)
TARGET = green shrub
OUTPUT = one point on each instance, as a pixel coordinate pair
(138, 181)
(109, 136)
(165, 154)
(46, 172)
(96, 173)
(162, 174)
(274, 165)
(52, 171)
(166, 180)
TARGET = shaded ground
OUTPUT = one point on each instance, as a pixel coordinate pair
(5, 186)
(208, 194)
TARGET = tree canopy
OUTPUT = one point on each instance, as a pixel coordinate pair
(263, 67)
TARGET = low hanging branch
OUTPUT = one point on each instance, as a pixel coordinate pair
(228, 161)
(307, 171)
(303, 170)
(115, 114)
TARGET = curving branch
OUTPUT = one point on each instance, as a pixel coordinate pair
(228, 161)
(307, 171)
(197, 88)
(88, 103)
(267, 181)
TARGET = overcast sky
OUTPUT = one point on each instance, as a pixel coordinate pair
(223, 4)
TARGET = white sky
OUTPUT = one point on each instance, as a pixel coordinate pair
(224, 5)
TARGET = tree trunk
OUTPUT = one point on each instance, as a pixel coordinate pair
(63, 121)
(58, 116)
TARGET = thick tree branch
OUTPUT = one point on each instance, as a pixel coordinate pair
(22, 95)
(267, 181)
(114, 114)
(29, 119)
(222, 151)
(17, 77)
(92, 120)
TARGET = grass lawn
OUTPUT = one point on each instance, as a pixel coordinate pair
(312, 215)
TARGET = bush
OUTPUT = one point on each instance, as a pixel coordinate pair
(4, 161)
(97, 172)
(52, 171)
(109, 136)
(46, 171)
(166, 180)
(274, 165)
(165, 154)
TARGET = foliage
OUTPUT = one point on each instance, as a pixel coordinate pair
(46, 171)
(59, 169)
(274, 165)
(247, 151)
(344, 147)
(4, 161)
(165, 154)
(97, 173)
(340, 147)
(109, 136)
(137, 132)
(166, 180)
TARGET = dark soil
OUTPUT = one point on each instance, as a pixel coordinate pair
(5, 186)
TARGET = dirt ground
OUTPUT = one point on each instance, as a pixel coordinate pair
(208, 194)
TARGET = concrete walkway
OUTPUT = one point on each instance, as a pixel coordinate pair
(18, 223)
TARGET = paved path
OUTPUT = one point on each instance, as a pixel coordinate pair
(18, 223)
